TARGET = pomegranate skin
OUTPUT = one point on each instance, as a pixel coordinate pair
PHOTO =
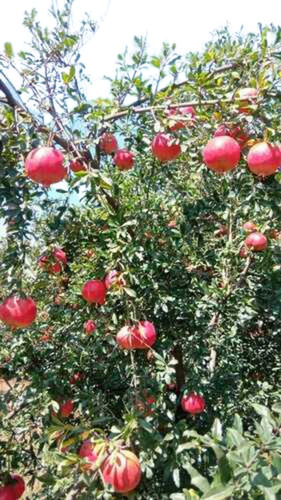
(221, 154)
(18, 312)
(124, 159)
(193, 403)
(179, 124)
(264, 159)
(122, 471)
(94, 292)
(163, 149)
(256, 241)
(108, 143)
(90, 326)
(77, 166)
(44, 165)
(247, 96)
(14, 489)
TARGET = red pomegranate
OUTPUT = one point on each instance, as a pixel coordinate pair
(247, 96)
(76, 377)
(140, 336)
(18, 312)
(193, 403)
(124, 159)
(55, 268)
(221, 154)
(256, 241)
(13, 489)
(108, 143)
(45, 166)
(90, 326)
(66, 408)
(175, 113)
(43, 261)
(77, 166)
(164, 148)
(94, 292)
(122, 471)
(60, 255)
(264, 159)
(249, 227)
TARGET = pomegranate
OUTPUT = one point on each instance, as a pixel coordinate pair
(108, 143)
(45, 166)
(264, 159)
(55, 268)
(234, 132)
(140, 336)
(124, 159)
(94, 292)
(90, 326)
(221, 154)
(163, 147)
(247, 96)
(256, 241)
(43, 261)
(60, 255)
(13, 489)
(193, 403)
(77, 166)
(174, 114)
(66, 408)
(249, 226)
(18, 312)
(76, 377)
(122, 471)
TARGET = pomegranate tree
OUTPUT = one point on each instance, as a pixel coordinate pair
(94, 292)
(256, 241)
(193, 403)
(164, 147)
(124, 159)
(18, 312)
(221, 154)
(264, 159)
(45, 166)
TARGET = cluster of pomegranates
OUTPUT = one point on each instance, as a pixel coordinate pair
(53, 263)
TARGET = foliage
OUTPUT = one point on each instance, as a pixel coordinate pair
(217, 315)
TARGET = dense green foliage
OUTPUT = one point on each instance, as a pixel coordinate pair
(217, 315)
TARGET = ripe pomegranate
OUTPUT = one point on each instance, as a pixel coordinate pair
(124, 159)
(43, 261)
(60, 255)
(122, 471)
(55, 268)
(221, 154)
(90, 326)
(76, 377)
(45, 166)
(77, 166)
(193, 403)
(108, 143)
(163, 147)
(256, 241)
(66, 408)
(18, 312)
(247, 96)
(140, 336)
(249, 226)
(264, 159)
(174, 114)
(94, 292)
(13, 489)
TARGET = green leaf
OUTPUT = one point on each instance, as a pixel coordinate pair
(219, 493)
(196, 479)
(8, 48)
(68, 77)
(130, 292)
(156, 62)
